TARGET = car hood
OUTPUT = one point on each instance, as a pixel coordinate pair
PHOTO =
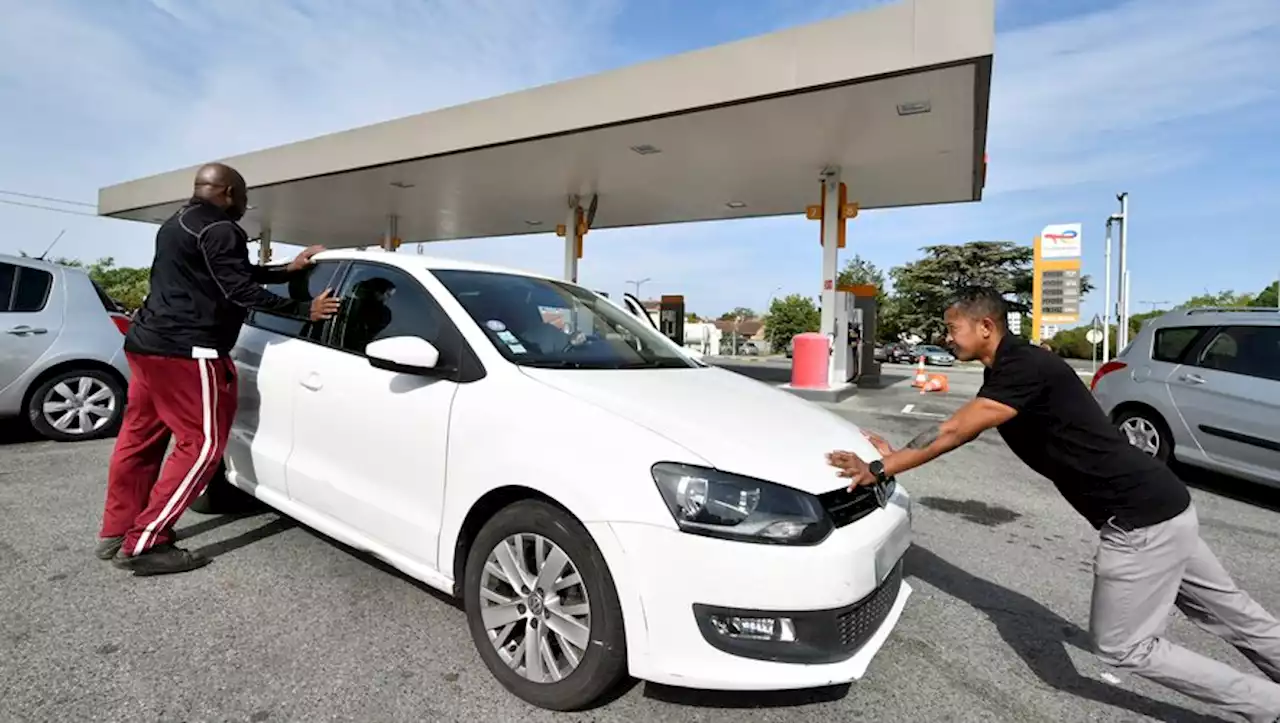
(735, 423)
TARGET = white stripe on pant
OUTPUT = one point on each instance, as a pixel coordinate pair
(208, 403)
(1140, 575)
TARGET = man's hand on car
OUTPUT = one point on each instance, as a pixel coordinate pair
(324, 306)
(303, 260)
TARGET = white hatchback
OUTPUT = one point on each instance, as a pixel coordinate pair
(603, 503)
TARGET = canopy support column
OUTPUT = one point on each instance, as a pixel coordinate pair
(264, 247)
(391, 237)
(572, 230)
(832, 240)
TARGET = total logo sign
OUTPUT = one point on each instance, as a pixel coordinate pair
(1061, 241)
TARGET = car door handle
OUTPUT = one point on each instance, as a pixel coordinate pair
(24, 330)
(312, 382)
(1192, 379)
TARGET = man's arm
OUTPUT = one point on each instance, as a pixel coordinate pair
(234, 274)
(961, 428)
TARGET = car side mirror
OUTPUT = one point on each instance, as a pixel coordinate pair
(403, 355)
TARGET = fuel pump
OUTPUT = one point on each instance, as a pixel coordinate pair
(671, 318)
(853, 345)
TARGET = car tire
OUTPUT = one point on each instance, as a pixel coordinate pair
(600, 651)
(220, 497)
(103, 390)
(1147, 424)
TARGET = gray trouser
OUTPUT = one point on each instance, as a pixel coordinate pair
(1140, 575)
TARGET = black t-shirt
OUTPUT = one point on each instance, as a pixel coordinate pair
(1062, 433)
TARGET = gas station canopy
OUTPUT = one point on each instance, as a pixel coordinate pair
(896, 97)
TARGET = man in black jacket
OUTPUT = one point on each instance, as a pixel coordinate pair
(183, 380)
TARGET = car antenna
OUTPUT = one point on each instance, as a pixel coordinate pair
(55, 243)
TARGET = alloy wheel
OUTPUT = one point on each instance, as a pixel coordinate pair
(79, 405)
(1142, 434)
(534, 606)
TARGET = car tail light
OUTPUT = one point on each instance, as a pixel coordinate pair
(121, 321)
(1105, 369)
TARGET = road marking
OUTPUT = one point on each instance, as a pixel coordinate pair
(907, 409)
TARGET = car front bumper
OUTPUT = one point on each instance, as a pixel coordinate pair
(841, 600)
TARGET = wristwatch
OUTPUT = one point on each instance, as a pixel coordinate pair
(877, 469)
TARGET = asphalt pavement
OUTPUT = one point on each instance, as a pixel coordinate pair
(288, 626)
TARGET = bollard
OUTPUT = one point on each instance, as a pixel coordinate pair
(810, 359)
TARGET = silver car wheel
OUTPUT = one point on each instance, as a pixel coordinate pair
(79, 405)
(1142, 434)
(534, 607)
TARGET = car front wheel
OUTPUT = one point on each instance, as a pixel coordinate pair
(542, 608)
(1147, 432)
(77, 404)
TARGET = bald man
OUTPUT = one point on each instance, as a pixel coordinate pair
(183, 383)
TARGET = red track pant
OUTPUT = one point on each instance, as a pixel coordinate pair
(192, 400)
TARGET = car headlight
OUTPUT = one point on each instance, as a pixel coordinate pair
(717, 504)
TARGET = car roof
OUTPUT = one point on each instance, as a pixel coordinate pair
(35, 263)
(417, 261)
(1216, 316)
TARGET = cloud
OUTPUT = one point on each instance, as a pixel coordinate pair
(1109, 94)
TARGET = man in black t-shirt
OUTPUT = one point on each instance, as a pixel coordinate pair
(1150, 556)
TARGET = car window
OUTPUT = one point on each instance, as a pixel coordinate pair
(380, 302)
(545, 323)
(108, 303)
(302, 287)
(8, 272)
(1249, 350)
(1172, 343)
(23, 289)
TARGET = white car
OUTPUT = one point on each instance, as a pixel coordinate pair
(603, 503)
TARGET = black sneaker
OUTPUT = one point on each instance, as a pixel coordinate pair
(163, 559)
(108, 547)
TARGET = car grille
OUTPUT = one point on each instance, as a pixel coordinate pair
(847, 507)
(857, 624)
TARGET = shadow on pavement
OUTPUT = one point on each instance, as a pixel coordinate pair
(1039, 636)
(1250, 493)
(17, 431)
(216, 549)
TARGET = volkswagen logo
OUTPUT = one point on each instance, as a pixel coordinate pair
(881, 491)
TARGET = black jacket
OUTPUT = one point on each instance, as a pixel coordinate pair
(202, 287)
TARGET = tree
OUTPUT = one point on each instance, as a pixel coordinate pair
(739, 312)
(788, 316)
(923, 289)
(1267, 297)
(1222, 298)
(126, 284)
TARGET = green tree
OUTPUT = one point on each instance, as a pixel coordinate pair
(858, 271)
(788, 316)
(1267, 297)
(739, 312)
(1220, 299)
(126, 284)
(924, 288)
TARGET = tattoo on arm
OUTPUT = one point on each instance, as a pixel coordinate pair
(924, 439)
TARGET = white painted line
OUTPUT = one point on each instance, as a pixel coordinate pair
(907, 409)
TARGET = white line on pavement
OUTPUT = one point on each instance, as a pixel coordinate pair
(907, 409)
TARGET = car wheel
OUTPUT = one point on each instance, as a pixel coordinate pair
(220, 497)
(542, 608)
(77, 404)
(1147, 432)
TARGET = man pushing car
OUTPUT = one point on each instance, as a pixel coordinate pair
(183, 382)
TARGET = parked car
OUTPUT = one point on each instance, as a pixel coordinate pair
(790, 350)
(62, 364)
(1201, 386)
(899, 353)
(934, 355)
(601, 502)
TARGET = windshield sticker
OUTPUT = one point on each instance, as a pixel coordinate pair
(495, 325)
(507, 337)
(517, 348)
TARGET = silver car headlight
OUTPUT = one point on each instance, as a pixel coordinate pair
(709, 502)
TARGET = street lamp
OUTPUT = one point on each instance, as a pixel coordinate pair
(1122, 333)
(637, 285)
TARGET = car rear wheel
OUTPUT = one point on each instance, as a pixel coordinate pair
(1147, 432)
(77, 404)
(542, 608)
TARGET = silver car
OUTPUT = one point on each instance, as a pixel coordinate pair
(1201, 386)
(62, 363)
(935, 355)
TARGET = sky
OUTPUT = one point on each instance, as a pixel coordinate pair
(1089, 98)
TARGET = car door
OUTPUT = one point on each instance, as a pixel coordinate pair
(267, 356)
(30, 319)
(369, 444)
(1228, 392)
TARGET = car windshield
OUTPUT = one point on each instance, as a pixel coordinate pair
(930, 349)
(538, 322)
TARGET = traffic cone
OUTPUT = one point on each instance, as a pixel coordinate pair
(936, 383)
(921, 377)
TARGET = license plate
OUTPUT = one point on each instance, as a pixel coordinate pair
(892, 549)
